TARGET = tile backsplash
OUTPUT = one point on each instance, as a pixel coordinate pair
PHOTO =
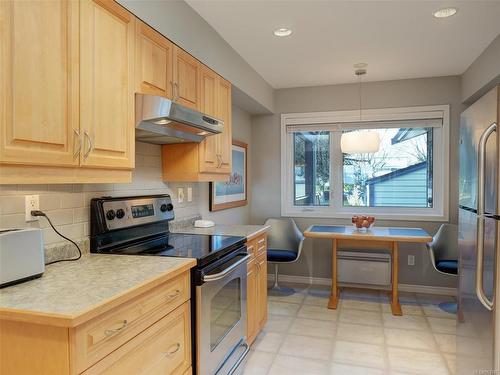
(68, 205)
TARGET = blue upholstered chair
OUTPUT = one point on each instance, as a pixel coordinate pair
(284, 245)
(443, 251)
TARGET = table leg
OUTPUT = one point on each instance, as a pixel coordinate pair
(334, 295)
(395, 306)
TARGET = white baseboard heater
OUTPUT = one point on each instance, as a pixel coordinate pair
(355, 267)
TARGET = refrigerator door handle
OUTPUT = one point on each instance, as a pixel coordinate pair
(481, 176)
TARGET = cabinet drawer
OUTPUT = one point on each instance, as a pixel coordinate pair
(252, 248)
(100, 336)
(261, 244)
(164, 348)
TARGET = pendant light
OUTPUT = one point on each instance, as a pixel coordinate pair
(360, 141)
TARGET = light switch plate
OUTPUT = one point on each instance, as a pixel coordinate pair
(190, 194)
(180, 195)
(31, 203)
(411, 260)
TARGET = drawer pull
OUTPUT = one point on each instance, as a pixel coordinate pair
(110, 332)
(174, 295)
(170, 353)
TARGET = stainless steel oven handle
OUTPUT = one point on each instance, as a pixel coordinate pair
(226, 272)
(481, 187)
(242, 357)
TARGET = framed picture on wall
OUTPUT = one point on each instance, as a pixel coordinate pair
(232, 193)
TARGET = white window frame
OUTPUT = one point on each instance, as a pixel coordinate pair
(330, 121)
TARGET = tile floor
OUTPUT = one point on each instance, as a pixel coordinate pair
(361, 337)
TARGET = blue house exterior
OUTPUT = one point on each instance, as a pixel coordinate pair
(407, 187)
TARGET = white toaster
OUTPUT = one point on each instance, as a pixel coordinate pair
(21, 255)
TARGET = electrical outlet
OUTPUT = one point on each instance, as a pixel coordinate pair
(190, 194)
(411, 260)
(180, 195)
(31, 203)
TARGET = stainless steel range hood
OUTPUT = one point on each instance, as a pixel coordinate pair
(160, 121)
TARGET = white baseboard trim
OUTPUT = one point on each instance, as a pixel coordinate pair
(411, 288)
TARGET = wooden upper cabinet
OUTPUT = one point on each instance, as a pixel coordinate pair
(224, 139)
(107, 54)
(209, 100)
(211, 159)
(154, 60)
(215, 153)
(39, 82)
(186, 71)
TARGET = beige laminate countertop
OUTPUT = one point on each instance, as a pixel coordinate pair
(248, 231)
(70, 293)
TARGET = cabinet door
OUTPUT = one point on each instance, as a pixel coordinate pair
(225, 138)
(153, 62)
(39, 82)
(186, 82)
(252, 324)
(107, 37)
(262, 290)
(209, 84)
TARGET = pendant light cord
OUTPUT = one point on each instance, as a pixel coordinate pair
(359, 93)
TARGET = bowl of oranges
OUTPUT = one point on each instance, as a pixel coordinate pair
(362, 222)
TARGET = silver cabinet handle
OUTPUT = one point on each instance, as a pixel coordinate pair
(176, 346)
(174, 295)
(110, 332)
(226, 272)
(91, 145)
(176, 91)
(79, 149)
(173, 91)
(481, 186)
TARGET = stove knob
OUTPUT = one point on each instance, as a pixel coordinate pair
(120, 213)
(166, 207)
(110, 215)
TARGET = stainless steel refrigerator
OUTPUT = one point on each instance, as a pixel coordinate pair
(478, 328)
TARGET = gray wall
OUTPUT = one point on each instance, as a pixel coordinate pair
(239, 215)
(180, 23)
(483, 73)
(266, 182)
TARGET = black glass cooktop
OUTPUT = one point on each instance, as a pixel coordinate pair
(204, 248)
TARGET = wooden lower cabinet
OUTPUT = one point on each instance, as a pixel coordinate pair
(149, 334)
(256, 286)
(164, 348)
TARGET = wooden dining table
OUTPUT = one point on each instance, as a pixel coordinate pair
(375, 238)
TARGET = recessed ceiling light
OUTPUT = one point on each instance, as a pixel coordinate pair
(445, 12)
(283, 32)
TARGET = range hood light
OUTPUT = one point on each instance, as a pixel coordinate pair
(163, 121)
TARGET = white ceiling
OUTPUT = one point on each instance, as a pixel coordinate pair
(398, 39)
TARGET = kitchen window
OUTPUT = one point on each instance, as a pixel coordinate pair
(407, 179)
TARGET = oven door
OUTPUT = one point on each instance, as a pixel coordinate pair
(221, 319)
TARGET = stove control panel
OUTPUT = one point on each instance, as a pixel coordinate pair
(126, 212)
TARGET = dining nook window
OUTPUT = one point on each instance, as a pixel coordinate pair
(406, 178)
